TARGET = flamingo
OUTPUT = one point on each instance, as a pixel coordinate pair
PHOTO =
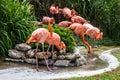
(64, 24)
(80, 30)
(74, 12)
(87, 29)
(55, 10)
(39, 36)
(93, 32)
(55, 41)
(78, 19)
(46, 20)
(66, 12)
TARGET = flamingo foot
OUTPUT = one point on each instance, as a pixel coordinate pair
(54, 68)
(39, 70)
(93, 59)
(49, 69)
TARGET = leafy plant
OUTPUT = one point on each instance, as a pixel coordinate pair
(15, 24)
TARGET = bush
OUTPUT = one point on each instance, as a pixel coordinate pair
(66, 36)
(15, 24)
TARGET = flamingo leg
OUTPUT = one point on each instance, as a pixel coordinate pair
(43, 47)
(48, 47)
(46, 61)
(53, 57)
(46, 58)
(36, 56)
(86, 43)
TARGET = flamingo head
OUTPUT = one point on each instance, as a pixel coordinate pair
(31, 39)
(99, 36)
(61, 47)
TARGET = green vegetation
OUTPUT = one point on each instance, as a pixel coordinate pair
(66, 36)
(15, 24)
(114, 75)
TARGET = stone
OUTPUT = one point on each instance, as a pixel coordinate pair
(30, 60)
(70, 56)
(63, 63)
(22, 47)
(61, 57)
(14, 60)
(42, 62)
(41, 55)
(16, 54)
(30, 53)
(81, 61)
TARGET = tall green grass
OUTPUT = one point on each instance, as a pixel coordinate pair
(15, 24)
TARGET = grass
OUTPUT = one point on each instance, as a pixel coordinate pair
(113, 75)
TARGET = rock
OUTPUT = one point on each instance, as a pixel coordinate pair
(71, 64)
(14, 60)
(54, 55)
(22, 47)
(16, 54)
(70, 56)
(41, 55)
(61, 57)
(30, 53)
(42, 62)
(30, 61)
(81, 61)
(63, 63)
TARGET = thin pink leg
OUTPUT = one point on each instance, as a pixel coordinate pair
(46, 61)
(36, 56)
(54, 68)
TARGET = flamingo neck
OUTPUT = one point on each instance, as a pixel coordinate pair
(50, 29)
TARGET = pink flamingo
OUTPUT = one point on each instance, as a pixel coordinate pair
(78, 19)
(66, 12)
(46, 20)
(64, 24)
(74, 12)
(39, 36)
(80, 30)
(86, 29)
(54, 10)
(55, 40)
(93, 32)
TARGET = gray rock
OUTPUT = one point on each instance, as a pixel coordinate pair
(41, 55)
(81, 61)
(14, 60)
(63, 63)
(30, 61)
(30, 53)
(42, 62)
(22, 47)
(16, 54)
(70, 56)
(61, 57)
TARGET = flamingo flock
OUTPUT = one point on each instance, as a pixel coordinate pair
(78, 25)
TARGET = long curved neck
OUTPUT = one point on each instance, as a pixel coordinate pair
(50, 29)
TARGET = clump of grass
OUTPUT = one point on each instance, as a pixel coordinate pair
(15, 24)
